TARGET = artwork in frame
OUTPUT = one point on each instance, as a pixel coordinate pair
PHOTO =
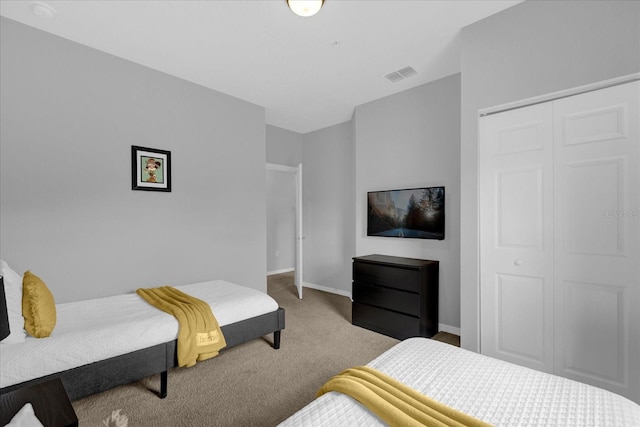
(150, 169)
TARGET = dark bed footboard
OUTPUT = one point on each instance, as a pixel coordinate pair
(109, 373)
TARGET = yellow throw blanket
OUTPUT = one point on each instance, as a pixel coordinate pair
(395, 403)
(199, 336)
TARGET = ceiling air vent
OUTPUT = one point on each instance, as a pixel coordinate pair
(401, 74)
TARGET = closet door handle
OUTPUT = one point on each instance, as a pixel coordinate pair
(517, 262)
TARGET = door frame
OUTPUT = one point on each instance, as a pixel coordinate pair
(299, 247)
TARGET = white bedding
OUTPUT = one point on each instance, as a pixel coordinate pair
(97, 329)
(491, 390)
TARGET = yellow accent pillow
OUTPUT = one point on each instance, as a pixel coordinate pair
(38, 306)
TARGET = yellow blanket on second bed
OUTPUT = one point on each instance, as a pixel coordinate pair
(394, 402)
(199, 336)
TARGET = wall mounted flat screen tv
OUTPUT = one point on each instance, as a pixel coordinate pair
(416, 213)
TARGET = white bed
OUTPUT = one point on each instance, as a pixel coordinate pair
(98, 329)
(488, 389)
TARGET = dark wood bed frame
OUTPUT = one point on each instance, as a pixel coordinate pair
(109, 373)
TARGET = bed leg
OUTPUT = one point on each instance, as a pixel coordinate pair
(276, 340)
(163, 384)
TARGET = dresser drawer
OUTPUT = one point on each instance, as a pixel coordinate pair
(386, 322)
(404, 302)
(386, 275)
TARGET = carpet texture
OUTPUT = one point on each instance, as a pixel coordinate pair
(251, 384)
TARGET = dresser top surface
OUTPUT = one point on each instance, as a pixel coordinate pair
(393, 260)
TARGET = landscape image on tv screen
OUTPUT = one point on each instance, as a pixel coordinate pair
(414, 213)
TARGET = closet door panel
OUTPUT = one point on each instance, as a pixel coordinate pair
(516, 240)
(594, 317)
(519, 208)
(515, 320)
(597, 238)
(590, 188)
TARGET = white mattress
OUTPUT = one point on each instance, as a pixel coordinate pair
(491, 390)
(97, 329)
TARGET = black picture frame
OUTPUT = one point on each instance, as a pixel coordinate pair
(150, 169)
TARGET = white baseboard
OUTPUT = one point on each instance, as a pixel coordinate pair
(451, 329)
(284, 270)
(336, 291)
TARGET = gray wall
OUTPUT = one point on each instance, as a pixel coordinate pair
(408, 140)
(69, 115)
(281, 221)
(328, 207)
(284, 147)
(534, 48)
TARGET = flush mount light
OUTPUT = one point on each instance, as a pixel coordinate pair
(305, 7)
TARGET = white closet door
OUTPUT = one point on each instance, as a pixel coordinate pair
(516, 199)
(597, 235)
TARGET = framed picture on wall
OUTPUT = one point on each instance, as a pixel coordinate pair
(150, 169)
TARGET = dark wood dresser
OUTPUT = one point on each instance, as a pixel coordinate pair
(395, 296)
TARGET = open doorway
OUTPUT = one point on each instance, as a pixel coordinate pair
(284, 221)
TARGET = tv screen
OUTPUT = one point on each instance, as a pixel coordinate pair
(416, 213)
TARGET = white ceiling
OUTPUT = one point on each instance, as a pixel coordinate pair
(308, 73)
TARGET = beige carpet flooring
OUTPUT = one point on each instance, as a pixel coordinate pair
(251, 384)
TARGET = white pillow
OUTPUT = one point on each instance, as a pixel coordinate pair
(25, 417)
(13, 294)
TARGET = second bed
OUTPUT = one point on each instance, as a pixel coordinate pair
(102, 343)
(488, 389)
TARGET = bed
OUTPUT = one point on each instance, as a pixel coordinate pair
(102, 343)
(491, 390)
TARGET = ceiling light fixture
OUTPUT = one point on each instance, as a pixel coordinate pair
(305, 7)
